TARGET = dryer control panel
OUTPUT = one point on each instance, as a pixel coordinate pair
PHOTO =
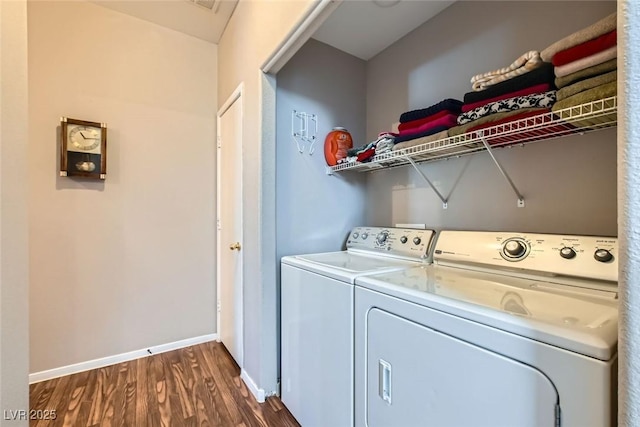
(400, 242)
(588, 257)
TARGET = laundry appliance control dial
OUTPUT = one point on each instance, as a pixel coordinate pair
(567, 252)
(417, 240)
(403, 239)
(382, 237)
(365, 235)
(514, 249)
(603, 255)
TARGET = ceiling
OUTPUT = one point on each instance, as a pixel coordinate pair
(185, 16)
(365, 28)
(362, 28)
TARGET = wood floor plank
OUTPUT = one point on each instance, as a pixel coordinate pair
(209, 407)
(182, 383)
(102, 410)
(153, 415)
(217, 382)
(195, 386)
(141, 407)
(87, 402)
(252, 410)
(40, 394)
(59, 396)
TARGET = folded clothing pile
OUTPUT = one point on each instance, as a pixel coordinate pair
(526, 62)
(427, 124)
(585, 65)
(383, 144)
(516, 96)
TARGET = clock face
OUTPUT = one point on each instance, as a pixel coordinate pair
(83, 148)
(84, 138)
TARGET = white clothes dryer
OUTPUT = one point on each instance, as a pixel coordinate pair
(317, 297)
(504, 329)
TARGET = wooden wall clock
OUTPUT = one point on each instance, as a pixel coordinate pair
(83, 149)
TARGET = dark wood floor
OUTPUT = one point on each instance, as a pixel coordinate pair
(194, 386)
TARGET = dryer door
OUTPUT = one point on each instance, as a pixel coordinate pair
(417, 376)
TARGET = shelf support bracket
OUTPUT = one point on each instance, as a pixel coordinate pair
(428, 181)
(503, 172)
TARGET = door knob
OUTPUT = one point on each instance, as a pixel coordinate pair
(235, 246)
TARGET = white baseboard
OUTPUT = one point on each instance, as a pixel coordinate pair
(258, 393)
(118, 358)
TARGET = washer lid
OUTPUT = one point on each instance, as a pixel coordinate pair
(346, 266)
(577, 319)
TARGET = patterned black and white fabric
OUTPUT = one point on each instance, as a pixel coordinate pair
(536, 100)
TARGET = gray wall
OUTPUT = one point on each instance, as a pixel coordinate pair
(254, 32)
(315, 211)
(569, 184)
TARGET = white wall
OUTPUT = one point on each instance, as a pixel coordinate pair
(569, 184)
(628, 218)
(254, 32)
(127, 263)
(14, 274)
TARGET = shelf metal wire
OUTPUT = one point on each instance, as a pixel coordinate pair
(588, 117)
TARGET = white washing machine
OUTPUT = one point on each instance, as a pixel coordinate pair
(504, 329)
(317, 297)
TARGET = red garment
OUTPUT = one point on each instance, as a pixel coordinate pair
(536, 118)
(417, 123)
(585, 49)
(539, 88)
(366, 154)
(447, 121)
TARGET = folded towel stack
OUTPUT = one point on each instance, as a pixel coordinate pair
(585, 64)
(582, 66)
(384, 143)
(427, 124)
(525, 63)
(517, 95)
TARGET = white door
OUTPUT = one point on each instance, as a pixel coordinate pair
(417, 376)
(230, 225)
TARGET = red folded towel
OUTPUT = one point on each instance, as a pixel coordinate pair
(585, 49)
(417, 123)
(539, 88)
(365, 155)
(447, 121)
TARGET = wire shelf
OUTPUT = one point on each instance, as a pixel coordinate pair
(595, 115)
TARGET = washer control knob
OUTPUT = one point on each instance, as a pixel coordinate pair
(567, 252)
(382, 237)
(417, 240)
(356, 235)
(403, 239)
(514, 249)
(365, 235)
(603, 255)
